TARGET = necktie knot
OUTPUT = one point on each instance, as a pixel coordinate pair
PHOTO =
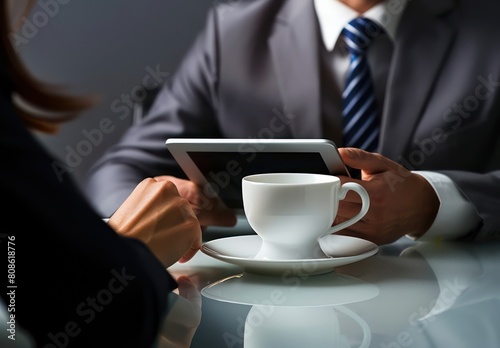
(359, 33)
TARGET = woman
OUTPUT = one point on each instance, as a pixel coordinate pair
(74, 280)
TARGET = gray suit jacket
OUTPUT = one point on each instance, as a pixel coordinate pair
(253, 72)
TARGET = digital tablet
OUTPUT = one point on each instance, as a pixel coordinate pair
(218, 165)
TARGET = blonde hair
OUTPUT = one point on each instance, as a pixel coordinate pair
(41, 106)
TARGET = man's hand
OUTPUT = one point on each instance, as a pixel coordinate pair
(401, 202)
(209, 210)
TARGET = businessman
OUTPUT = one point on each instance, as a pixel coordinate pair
(281, 69)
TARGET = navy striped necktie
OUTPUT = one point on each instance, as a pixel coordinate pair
(361, 124)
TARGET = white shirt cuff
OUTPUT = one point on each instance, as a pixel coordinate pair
(456, 216)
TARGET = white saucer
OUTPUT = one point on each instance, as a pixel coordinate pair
(240, 250)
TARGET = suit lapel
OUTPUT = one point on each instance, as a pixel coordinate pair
(294, 50)
(421, 45)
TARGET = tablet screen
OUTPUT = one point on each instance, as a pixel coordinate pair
(224, 170)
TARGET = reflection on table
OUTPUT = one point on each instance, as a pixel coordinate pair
(407, 295)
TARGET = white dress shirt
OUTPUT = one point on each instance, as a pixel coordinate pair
(456, 216)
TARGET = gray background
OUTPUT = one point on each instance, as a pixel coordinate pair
(104, 47)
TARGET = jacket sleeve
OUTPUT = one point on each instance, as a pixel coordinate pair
(184, 107)
(483, 190)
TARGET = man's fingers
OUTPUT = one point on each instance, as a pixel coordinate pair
(225, 218)
(368, 162)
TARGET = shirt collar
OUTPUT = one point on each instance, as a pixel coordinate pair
(333, 16)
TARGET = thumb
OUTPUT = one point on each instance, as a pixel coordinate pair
(368, 162)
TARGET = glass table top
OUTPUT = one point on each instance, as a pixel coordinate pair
(408, 294)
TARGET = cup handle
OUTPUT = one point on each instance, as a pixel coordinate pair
(365, 199)
(367, 335)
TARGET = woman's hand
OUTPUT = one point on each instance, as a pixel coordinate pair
(183, 318)
(156, 214)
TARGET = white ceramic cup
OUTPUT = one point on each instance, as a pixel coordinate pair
(292, 211)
